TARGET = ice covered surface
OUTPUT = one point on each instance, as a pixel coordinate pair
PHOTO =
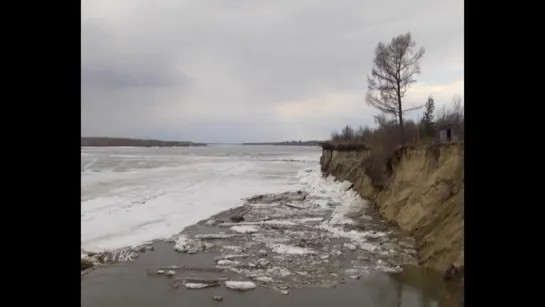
(132, 195)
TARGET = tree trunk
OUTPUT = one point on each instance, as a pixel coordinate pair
(400, 111)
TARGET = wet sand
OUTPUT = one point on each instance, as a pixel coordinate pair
(130, 284)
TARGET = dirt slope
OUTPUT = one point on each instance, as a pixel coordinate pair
(421, 190)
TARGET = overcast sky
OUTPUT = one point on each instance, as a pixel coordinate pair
(253, 70)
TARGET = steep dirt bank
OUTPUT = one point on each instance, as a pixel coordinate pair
(420, 189)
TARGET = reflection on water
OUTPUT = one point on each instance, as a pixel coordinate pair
(127, 284)
(425, 288)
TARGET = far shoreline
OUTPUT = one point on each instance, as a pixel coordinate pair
(285, 143)
(128, 142)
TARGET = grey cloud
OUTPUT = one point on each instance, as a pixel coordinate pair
(105, 65)
(129, 75)
(179, 64)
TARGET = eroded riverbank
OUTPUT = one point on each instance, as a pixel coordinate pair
(418, 188)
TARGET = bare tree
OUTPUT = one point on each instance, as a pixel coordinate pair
(335, 136)
(395, 66)
(348, 133)
(458, 108)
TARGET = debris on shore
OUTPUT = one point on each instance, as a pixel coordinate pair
(282, 241)
(91, 260)
(293, 240)
(86, 264)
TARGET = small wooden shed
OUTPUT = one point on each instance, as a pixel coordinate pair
(447, 134)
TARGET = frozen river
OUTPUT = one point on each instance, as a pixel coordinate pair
(132, 195)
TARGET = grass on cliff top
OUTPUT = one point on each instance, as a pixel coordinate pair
(345, 144)
(345, 141)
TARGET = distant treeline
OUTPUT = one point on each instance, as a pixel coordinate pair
(103, 141)
(289, 143)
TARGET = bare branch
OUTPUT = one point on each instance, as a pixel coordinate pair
(414, 108)
(395, 67)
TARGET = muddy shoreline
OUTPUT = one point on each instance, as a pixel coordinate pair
(130, 284)
(297, 231)
(277, 245)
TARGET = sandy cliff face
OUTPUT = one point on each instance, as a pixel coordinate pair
(422, 191)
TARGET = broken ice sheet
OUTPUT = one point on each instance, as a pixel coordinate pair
(192, 285)
(263, 263)
(231, 256)
(233, 248)
(350, 246)
(240, 285)
(279, 271)
(216, 236)
(263, 279)
(284, 244)
(184, 244)
(277, 223)
(208, 245)
(389, 269)
(245, 228)
(290, 249)
(225, 262)
(309, 220)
